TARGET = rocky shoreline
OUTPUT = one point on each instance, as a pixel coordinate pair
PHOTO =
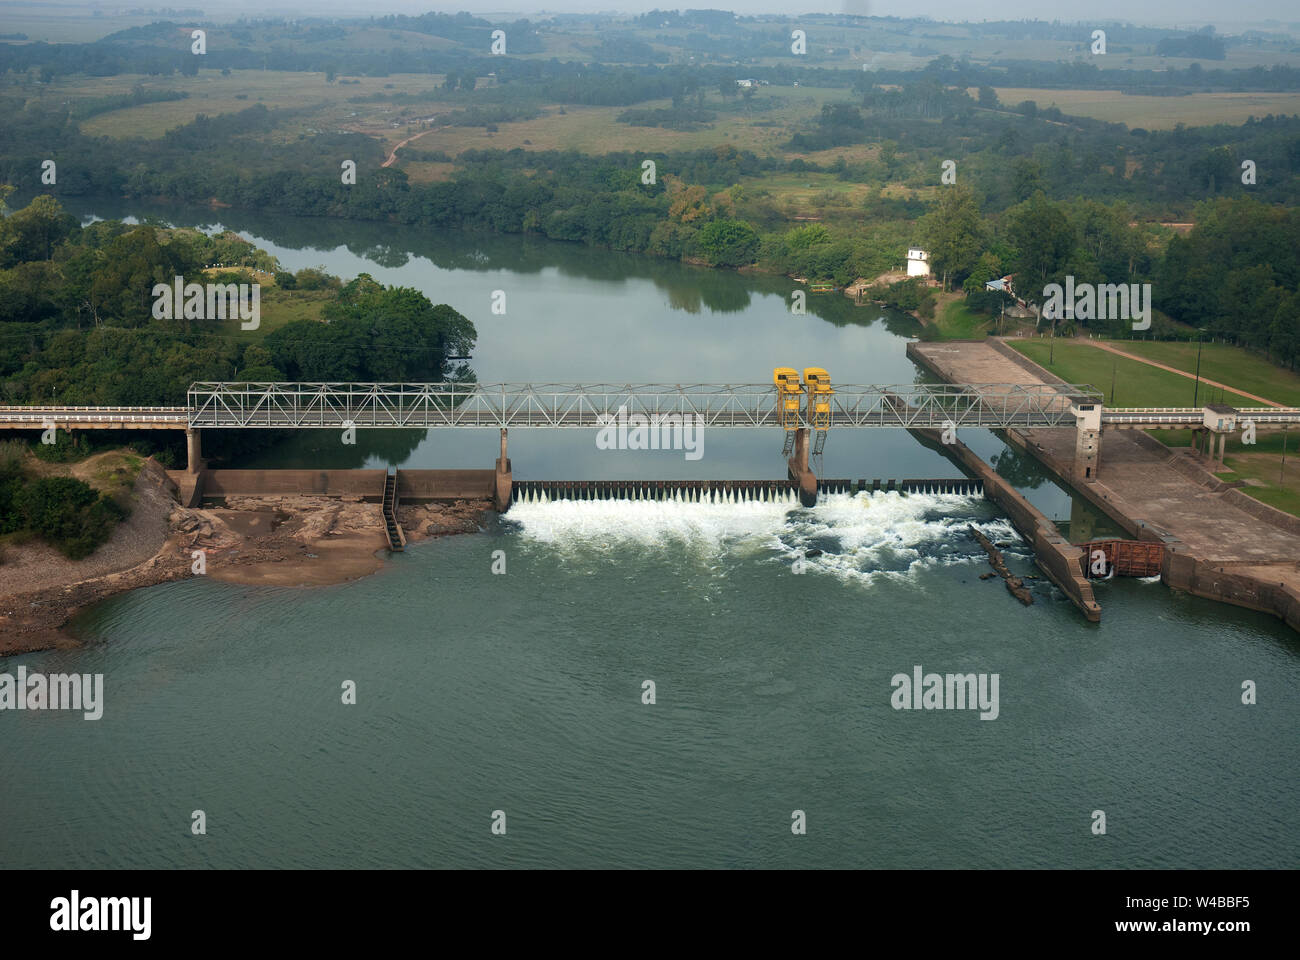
(269, 540)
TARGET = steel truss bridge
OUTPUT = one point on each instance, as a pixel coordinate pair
(563, 405)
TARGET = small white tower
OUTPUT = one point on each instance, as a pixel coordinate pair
(918, 262)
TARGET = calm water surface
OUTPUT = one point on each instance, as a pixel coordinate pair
(522, 692)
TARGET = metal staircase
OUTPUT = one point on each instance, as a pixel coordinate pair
(396, 538)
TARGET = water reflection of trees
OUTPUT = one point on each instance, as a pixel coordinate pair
(688, 288)
(1019, 469)
(323, 449)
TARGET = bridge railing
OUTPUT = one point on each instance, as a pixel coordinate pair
(100, 409)
(393, 405)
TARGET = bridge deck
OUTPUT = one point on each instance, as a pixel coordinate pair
(587, 406)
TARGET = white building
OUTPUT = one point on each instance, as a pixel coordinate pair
(918, 262)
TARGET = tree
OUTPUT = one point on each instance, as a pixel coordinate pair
(888, 155)
(954, 231)
(37, 228)
(1026, 178)
(1045, 240)
(258, 365)
(729, 243)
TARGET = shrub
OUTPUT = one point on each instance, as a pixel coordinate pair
(11, 482)
(67, 513)
(12, 453)
(66, 448)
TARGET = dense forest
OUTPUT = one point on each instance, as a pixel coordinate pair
(76, 319)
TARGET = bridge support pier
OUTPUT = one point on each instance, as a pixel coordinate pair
(193, 449)
(799, 471)
(504, 479)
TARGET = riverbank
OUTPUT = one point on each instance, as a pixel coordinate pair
(285, 541)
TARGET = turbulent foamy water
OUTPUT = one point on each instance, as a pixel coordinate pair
(861, 537)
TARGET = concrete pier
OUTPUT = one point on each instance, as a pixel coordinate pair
(193, 450)
(799, 470)
(502, 486)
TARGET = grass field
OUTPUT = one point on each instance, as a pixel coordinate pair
(953, 320)
(278, 307)
(763, 125)
(325, 105)
(1156, 113)
(1224, 363)
(1268, 480)
(597, 130)
(1136, 384)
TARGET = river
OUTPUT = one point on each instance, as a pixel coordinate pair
(522, 691)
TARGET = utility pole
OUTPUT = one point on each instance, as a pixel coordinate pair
(1197, 389)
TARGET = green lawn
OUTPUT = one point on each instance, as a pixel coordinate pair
(279, 307)
(955, 321)
(1224, 363)
(1277, 485)
(1136, 384)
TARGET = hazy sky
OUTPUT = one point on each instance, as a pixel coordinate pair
(1154, 12)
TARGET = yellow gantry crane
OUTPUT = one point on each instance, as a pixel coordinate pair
(816, 386)
(788, 392)
(817, 382)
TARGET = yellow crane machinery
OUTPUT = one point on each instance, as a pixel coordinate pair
(789, 390)
(818, 385)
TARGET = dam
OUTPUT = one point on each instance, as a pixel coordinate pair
(805, 408)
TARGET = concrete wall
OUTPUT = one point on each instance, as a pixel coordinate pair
(1219, 582)
(413, 486)
(1061, 560)
(321, 483)
(417, 485)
